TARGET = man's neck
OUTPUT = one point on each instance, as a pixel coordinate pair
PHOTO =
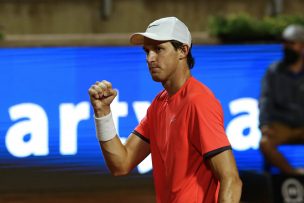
(297, 67)
(173, 84)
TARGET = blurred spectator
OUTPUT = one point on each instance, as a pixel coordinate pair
(282, 101)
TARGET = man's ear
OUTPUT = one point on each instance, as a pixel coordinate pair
(183, 51)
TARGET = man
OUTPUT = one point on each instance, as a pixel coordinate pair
(282, 101)
(183, 129)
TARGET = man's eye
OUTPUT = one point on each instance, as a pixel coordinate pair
(158, 49)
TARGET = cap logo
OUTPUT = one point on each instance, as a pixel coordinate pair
(153, 25)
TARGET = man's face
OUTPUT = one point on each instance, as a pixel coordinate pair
(295, 46)
(162, 59)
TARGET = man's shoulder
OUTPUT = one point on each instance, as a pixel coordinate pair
(199, 89)
(199, 92)
(276, 66)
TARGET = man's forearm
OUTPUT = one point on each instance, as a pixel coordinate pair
(114, 151)
(115, 156)
(230, 190)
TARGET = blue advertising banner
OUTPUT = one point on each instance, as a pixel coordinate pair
(46, 120)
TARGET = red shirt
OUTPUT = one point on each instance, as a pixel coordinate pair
(183, 131)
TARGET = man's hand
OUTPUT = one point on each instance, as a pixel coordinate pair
(266, 130)
(101, 96)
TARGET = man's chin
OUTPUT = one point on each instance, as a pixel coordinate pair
(156, 78)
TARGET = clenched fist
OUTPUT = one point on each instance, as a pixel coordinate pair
(101, 96)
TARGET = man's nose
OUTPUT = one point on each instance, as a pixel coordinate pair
(151, 56)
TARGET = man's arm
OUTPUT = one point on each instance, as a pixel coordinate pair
(224, 168)
(266, 103)
(120, 159)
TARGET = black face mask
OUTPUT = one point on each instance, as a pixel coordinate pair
(290, 56)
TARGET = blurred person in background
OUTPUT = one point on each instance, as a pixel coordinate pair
(282, 101)
(183, 128)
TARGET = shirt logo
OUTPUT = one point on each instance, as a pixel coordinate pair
(172, 120)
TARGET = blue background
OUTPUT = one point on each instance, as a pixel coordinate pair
(49, 77)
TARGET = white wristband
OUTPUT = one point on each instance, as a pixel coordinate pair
(105, 128)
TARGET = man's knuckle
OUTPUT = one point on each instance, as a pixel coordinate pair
(90, 90)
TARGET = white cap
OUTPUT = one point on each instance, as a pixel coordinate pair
(294, 33)
(164, 29)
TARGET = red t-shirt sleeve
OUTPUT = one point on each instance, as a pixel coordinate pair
(209, 131)
(143, 128)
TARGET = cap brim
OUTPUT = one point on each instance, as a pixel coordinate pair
(139, 38)
(293, 39)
